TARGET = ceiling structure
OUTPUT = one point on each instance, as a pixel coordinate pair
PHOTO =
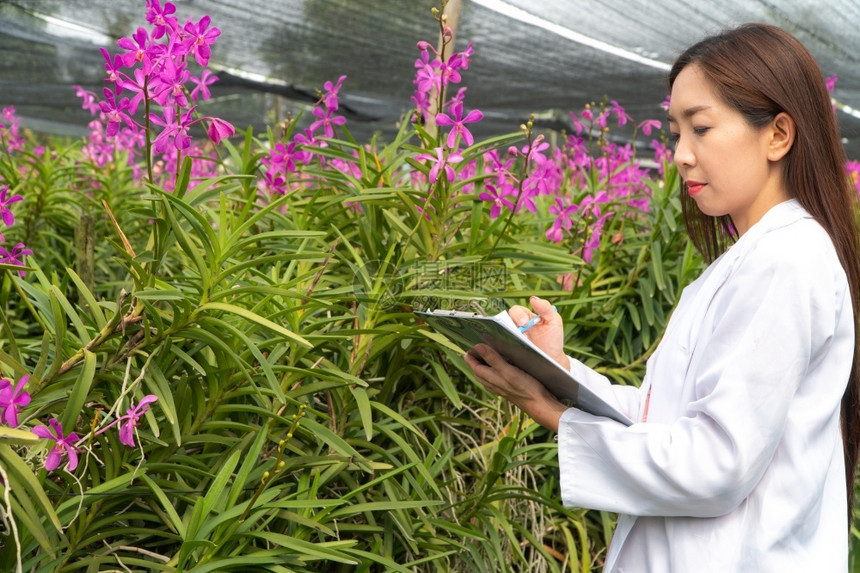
(542, 57)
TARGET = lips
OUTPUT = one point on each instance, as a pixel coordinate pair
(695, 187)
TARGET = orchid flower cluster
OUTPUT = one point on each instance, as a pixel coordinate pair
(16, 255)
(285, 158)
(615, 182)
(11, 140)
(155, 69)
(13, 398)
(434, 75)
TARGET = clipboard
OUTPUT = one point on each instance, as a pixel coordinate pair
(501, 334)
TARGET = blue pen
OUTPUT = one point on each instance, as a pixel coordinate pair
(534, 321)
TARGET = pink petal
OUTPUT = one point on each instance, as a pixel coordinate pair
(473, 116)
(126, 434)
(73, 458)
(443, 120)
(44, 433)
(53, 459)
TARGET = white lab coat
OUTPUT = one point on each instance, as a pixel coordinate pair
(737, 465)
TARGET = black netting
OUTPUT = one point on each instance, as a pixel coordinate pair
(273, 54)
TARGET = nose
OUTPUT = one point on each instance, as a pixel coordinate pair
(683, 156)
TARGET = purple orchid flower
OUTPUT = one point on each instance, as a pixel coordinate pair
(161, 18)
(274, 183)
(458, 98)
(11, 399)
(89, 98)
(498, 197)
(15, 256)
(137, 87)
(219, 129)
(462, 59)
(426, 78)
(458, 123)
(63, 445)
(201, 90)
(329, 98)
(5, 200)
(649, 124)
(440, 164)
(199, 39)
(564, 211)
(112, 66)
(128, 422)
(326, 120)
(136, 49)
(422, 103)
(282, 158)
(619, 112)
(175, 129)
(115, 111)
(171, 82)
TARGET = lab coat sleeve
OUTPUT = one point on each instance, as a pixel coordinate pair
(772, 316)
(625, 399)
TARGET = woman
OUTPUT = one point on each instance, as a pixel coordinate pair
(743, 454)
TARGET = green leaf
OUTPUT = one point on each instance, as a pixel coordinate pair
(363, 403)
(94, 308)
(251, 460)
(175, 522)
(24, 480)
(256, 318)
(217, 486)
(80, 391)
(17, 436)
(306, 550)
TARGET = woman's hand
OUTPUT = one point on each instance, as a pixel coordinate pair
(500, 377)
(548, 333)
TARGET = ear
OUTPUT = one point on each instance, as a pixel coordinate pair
(782, 132)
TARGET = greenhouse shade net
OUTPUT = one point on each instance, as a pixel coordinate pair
(541, 57)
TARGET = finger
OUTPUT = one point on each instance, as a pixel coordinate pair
(520, 315)
(491, 358)
(542, 306)
(481, 372)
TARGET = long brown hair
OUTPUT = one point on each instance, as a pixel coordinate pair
(762, 71)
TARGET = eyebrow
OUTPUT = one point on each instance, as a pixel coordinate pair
(689, 112)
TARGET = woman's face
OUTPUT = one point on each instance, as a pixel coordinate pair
(722, 159)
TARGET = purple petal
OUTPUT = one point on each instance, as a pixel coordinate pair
(53, 459)
(10, 416)
(473, 116)
(44, 433)
(467, 137)
(452, 138)
(126, 434)
(73, 458)
(443, 120)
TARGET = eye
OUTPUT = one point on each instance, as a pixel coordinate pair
(701, 130)
(674, 137)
